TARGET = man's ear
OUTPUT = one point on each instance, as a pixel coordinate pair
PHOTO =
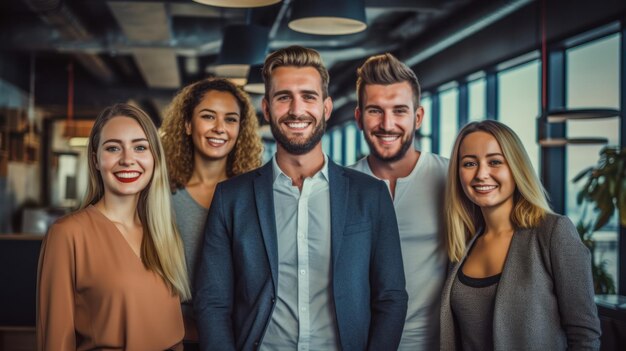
(265, 106)
(358, 117)
(328, 107)
(419, 117)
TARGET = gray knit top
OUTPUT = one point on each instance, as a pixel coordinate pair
(472, 301)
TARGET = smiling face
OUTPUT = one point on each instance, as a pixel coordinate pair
(214, 125)
(389, 119)
(484, 173)
(123, 157)
(296, 109)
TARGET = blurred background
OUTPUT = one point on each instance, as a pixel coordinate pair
(553, 70)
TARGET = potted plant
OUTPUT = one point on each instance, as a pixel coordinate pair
(603, 191)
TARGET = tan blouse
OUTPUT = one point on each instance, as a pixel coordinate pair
(95, 293)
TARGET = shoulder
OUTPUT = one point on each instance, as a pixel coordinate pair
(436, 161)
(237, 182)
(558, 230)
(71, 226)
(360, 165)
(358, 178)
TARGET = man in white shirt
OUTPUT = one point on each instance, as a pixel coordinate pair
(300, 254)
(389, 113)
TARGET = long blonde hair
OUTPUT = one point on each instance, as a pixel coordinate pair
(463, 217)
(245, 156)
(161, 246)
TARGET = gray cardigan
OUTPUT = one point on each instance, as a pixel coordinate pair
(545, 298)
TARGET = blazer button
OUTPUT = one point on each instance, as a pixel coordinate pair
(273, 300)
(256, 344)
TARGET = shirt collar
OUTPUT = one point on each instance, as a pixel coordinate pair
(278, 173)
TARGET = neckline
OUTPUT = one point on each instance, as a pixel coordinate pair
(471, 247)
(119, 233)
(188, 194)
(411, 175)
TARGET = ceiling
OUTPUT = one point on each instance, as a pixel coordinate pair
(147, 50)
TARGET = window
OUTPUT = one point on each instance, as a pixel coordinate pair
(425, 143)
(337, 146)
(449, 120)
(593, 81)
(518, 107)
(351, 134)
(477, 100)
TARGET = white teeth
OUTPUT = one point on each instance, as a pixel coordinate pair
(485, 187)
(217, 141)
(389, 138)
(127, 174)
(299, 125)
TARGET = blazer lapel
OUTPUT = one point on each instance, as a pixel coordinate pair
(264, 197)
(339, 189)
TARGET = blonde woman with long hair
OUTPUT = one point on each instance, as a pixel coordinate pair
(521, 277)
(210, 133)
(112, 274)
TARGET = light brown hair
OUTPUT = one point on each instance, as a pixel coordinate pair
(296, 56)
(463, 217)
(385, 69)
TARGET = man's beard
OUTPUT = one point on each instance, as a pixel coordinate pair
(298, 148)
(392, 158)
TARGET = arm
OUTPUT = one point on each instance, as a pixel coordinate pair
(571, 271)
(389, 297)
(213, 302)
(55, 292)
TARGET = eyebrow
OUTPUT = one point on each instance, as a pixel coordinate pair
(377, 106)
(213, 111)
(488, 155)
(289, 92)
(120, 142)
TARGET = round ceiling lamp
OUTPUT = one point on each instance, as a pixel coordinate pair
(255, 84)
(238, 3)
(242, 46)
(328, 17)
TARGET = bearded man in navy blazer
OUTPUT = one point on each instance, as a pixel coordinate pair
(300, 254)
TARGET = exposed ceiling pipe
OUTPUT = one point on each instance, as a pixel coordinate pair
(458, 31)
(61, 17)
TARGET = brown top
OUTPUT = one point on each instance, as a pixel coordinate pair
(95, 293)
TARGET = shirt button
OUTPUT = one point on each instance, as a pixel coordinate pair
(303, 309)
(302, 271)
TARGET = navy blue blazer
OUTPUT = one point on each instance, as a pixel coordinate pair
(237, 274)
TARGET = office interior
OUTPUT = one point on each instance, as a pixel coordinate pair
(552, 70)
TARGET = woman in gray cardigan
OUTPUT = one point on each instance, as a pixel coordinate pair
(521, 277)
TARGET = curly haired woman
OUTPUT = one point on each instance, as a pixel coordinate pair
(210, 133)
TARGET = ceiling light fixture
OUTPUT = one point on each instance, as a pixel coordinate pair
(255, 83)
(238, 3)
(242, 46)
(328, 17)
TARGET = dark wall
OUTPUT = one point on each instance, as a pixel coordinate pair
(15, 68)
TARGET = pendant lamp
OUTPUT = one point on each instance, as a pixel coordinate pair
(238, 3)
(255, 83)
(242, 46)
(328, 17)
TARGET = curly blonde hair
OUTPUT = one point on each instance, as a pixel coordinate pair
(179, 149)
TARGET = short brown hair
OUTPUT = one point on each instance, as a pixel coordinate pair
(385, 69)
(296, 56)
